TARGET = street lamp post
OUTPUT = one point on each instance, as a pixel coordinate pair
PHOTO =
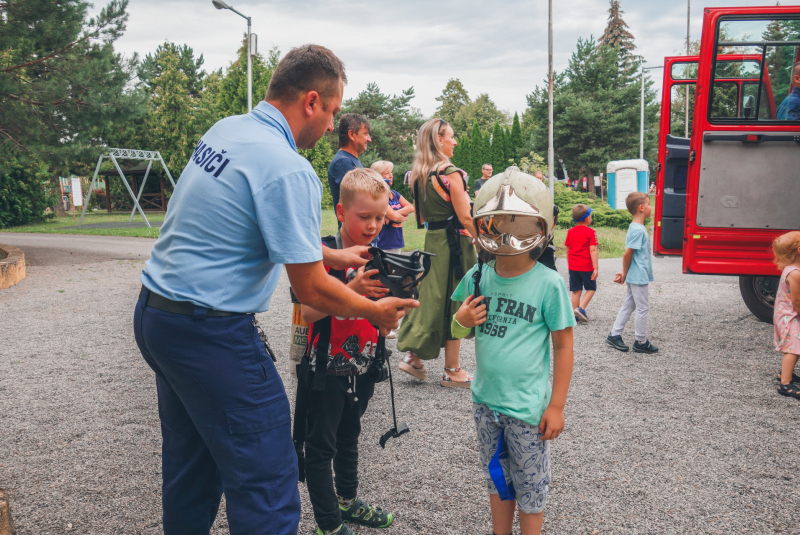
(550, 151)
(641, 124)
(219, 4)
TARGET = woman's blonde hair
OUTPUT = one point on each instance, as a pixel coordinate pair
(785, 248)
(381, 166)
(429, 156)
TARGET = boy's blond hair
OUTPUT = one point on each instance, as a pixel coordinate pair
(381, 166)
(785, 248)
(578, 211)
(634, 200)
(362, 180)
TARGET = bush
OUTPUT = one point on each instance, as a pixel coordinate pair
(23, 198)
(602, 214)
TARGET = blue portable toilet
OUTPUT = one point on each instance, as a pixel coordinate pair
(624, 177)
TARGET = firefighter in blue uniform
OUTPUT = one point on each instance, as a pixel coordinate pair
(245, 204)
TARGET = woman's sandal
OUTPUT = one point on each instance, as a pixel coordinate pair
(795, 378)
(449, 382)
(791, 390)
(407, 366)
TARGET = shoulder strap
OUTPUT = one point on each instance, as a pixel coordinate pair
(415, 194)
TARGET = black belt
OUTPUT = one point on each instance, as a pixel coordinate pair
(439, 225)
(184, 308)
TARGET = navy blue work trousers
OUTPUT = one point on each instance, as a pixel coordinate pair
(225, 423)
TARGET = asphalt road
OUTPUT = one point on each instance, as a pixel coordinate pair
(692, 440)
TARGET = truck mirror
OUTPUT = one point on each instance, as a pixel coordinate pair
(748, 103)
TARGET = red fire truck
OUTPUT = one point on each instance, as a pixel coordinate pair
(724, 193)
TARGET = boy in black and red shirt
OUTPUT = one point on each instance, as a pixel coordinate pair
(581, 247)
(333, 421)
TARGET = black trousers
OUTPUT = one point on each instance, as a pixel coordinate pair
(334, 424)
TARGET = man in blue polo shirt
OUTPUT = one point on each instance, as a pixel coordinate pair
(245, 204)
(353, 139)
(789, 110)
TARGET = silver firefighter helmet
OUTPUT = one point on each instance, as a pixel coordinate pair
(513, 214)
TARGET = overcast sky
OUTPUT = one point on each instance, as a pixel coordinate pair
(497, 47)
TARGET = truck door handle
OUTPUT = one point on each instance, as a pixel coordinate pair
(692, 156)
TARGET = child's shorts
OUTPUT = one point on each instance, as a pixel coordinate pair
(581, 280)
(528, 462)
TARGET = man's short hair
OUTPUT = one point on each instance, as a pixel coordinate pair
(350, 122)
(303, 69)
(484, 165)
(362, 180)
(634, 200)
(578, 211)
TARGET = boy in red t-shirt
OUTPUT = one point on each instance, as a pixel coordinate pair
(581, 247)
(334, 414)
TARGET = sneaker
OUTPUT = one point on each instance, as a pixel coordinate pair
(644, 347)
(617, 343)
(367, 515)
(581, 315)
(344, 529)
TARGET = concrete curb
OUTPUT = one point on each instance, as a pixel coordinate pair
(6, 522)
(12, 267)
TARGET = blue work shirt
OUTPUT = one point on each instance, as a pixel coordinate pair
(342, 162)
(789, 110)
(641, 270)
(245, 203)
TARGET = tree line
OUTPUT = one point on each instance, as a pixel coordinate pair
(66, 95)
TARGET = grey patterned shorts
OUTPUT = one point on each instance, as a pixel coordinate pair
(528, 462)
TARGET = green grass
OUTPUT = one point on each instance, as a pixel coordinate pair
(57, 224)
(611, 240)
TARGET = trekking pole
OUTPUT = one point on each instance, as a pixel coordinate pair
(395, 431)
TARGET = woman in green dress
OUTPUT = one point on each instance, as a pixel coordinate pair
(442, 202)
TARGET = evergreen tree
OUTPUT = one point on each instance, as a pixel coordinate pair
(393, 122)
(64, 92)
(233, 89)
(515, 139)
(617, 34)
(169, 123)
(150, 68)
(508, 150)
(320, 158)
(596, 111)
(486, 148)
(498, 149)
(476, 150)
(461, 153)
(452, 99)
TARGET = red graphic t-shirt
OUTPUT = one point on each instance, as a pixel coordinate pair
(352, 343)
(579, 239)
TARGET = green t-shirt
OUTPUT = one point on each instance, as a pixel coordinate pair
(512, 347)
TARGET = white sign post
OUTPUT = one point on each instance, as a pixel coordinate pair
(77, 196)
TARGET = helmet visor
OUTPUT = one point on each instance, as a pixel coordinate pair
(510, 234)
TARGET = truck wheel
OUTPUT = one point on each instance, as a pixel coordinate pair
(758, 294)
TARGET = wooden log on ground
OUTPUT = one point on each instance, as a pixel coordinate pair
(6, 522)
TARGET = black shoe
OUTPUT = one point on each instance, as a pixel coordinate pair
(617, 343)
(644, 347)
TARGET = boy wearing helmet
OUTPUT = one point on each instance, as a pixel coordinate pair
(514, 304)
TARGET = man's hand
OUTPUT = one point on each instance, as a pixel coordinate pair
(552, 423)
(342, 259)
(389, 312)
(619, 278)
(471, 312)
(594, 274)
(362, 284)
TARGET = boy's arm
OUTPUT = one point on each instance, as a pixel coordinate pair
(595, 264)
(552, 423)
(626, 264)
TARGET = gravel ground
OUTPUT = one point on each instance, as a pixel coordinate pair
(692, 440)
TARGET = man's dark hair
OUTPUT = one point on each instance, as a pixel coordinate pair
(350, 122)
(303, 69)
